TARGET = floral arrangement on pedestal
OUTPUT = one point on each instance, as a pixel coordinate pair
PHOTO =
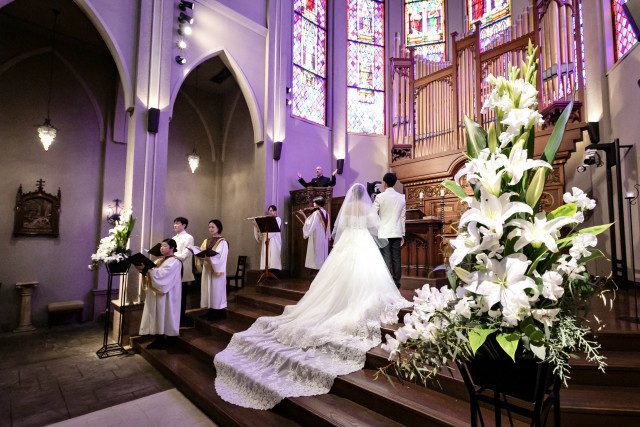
(113, 247)
(516, 285)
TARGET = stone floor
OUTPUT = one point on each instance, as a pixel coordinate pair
(50, 375)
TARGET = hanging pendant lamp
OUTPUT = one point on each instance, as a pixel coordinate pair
(193, 158)
(46, 131)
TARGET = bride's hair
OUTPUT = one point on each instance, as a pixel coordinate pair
(358, 191)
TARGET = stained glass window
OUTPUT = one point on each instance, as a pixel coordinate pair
(424, 28)
(309, 82)
(365, 67)
(492, 16)
(625, 37)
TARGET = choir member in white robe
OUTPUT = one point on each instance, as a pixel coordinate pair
(275, 243)
(317, 229)
(161, 313)
(184, 240)
(213, 293)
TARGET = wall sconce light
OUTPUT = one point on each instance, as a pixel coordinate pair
(340, 166)
(289, 102)
(184, 30)
(289, 90)
(181, 44)
(277, 150)
(114, 212)
(181, 60)
(593, 129)
(185, 19)
(184, 5)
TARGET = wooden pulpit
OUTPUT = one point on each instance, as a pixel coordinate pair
(422, 250)
(301, 199)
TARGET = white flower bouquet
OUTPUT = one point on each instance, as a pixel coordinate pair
(516, 284)
(113, 247)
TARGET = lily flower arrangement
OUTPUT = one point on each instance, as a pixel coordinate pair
(516, 284)
(113, 247)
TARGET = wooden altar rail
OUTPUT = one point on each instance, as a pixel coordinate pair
(430, 100)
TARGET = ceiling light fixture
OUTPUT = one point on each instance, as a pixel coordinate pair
(47, 132)
(184, 5)
(184, 30)
(185, 19)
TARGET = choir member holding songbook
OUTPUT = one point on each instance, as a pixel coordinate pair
(161, 314)
(213, 294)
(275, 242)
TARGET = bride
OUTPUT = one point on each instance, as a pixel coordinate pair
(328, 332)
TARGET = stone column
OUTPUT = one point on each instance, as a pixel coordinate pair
(26, 290)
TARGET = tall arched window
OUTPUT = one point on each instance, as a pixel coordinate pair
(492, 16)
(424, 28)
(624, 35)
(365, 67)
(309, 82)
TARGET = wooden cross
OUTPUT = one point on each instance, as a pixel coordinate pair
(40, 184)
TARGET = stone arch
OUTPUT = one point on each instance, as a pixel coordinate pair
(241, 80)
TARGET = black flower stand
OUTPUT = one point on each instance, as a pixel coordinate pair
(117, 269)
(533, 384)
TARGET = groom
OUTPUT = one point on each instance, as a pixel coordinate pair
(391, 207)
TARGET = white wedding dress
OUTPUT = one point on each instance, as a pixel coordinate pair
(328, 332)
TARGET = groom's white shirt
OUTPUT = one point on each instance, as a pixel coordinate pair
(392, 209)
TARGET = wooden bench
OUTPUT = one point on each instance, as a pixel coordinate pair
(62, 309)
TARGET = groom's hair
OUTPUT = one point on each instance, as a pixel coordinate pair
(390, 179)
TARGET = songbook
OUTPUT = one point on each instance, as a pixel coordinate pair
(155, 250)
(201, 253)
(139, 259)
(266, 224)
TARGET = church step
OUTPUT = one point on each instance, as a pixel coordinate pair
(332, 410)
(253, 299)
(619, 340)
(195, 380)
(237, 320)
(293, 291)
(623, 369)
(196, 350)
(599, 405)
(406, 403)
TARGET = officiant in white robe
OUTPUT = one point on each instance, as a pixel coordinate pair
(275, 243)
(317, 230)
(213, 292)
(161, 313)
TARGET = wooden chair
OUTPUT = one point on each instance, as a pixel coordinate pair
(241, 269)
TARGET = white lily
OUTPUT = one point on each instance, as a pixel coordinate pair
(518, 163)
(541, 231)
(491, 211)
(505, 282)
(551, 285)
(489, 172)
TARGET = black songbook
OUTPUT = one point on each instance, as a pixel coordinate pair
(201, 253)
(139, 259)
(155, 250)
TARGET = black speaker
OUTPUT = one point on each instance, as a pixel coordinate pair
(153, 120)
(593, 129)
(340, 166)
(277, 150)
(632, 10)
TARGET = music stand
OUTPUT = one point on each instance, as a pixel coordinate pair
(267, 224)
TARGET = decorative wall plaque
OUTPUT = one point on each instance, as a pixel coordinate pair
(37, 213)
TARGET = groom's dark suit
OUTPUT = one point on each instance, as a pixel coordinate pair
(319, 181)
